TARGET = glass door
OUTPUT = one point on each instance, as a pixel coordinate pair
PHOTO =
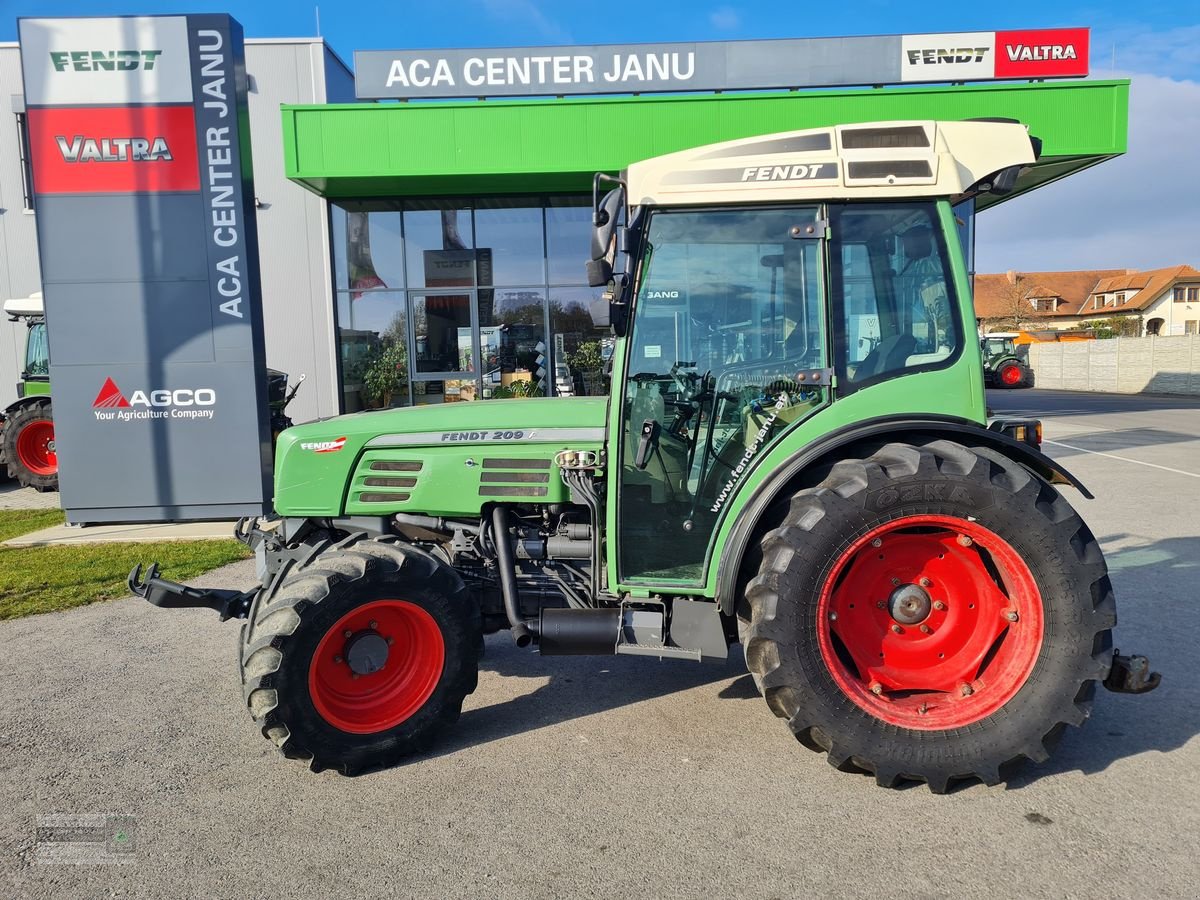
(728, 313)
(445, 349)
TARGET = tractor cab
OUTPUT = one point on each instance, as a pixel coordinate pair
(27, 451)
(36, 371)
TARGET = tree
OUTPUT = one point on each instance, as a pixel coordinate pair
(1017, 311)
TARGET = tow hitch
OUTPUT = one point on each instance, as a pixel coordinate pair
(172, 595)
(1131, 675)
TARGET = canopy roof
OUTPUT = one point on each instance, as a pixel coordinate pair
(430, 148)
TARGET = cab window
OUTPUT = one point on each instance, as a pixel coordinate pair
(891, 273)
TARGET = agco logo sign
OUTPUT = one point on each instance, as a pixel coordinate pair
(104, 60)
(111, 404)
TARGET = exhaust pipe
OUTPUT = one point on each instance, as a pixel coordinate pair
(579, 632)
(523, 630)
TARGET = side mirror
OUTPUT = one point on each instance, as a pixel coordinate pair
(605, 215)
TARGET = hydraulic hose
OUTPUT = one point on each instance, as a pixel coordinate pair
(523, 630)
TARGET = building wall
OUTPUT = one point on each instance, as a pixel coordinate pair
(19, 275)
(293, 224)
(1175, 316)
(1162, 365)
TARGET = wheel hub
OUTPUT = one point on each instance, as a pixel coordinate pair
(909, 604)
(366, 652)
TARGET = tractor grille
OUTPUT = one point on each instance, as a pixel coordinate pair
(396, 487)
(514, 478)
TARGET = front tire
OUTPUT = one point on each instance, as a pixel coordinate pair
(932, 613)
(28, 441)
(360, 655)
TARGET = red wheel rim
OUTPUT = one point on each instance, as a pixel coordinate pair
(930, 622)
(35, 448)
(1010, 374)
(381, 699)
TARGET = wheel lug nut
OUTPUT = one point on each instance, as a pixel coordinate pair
(876, 688)
(938, 604)
(347, 633)
(372, 624)
(354, 675)
(925, 582)
(926, 629)
(391, 641)
(964, 541)
(833, 617)
(877, 543)
(895, 581)
(338, 660)
(1011, 615)
(896, 629)
(966, 690)
(881, 604)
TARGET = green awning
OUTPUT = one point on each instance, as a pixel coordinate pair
(365, 150)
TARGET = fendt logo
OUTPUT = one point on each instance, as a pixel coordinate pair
(324, 446)
(111, 404)
(940, 56)
(81, 150)
(104, 60)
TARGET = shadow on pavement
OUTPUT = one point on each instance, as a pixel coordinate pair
(577, 687)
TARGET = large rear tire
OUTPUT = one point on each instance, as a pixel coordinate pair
(28, 441)
(931, 613)
(360, 655)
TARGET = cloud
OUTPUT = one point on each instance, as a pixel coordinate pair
(1174, 53)
(725, 18)
(1136, 211)
(528, 14)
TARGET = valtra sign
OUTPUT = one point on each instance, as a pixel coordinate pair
(139, 144)
(721, 65)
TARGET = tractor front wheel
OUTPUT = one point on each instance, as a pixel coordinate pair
(28, 441)
(931, 613)
(360, 655)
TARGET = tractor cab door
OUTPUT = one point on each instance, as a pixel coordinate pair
(726, 352)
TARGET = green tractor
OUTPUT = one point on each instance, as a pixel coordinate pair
(1005, 365)
(27, 425)
(914, 596)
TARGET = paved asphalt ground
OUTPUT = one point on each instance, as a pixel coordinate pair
(619, 776)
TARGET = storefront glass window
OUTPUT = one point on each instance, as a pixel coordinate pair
(440, 247)
(568, 239)
(509, 242)
(512, 340)
(373, 340)
(448, 300)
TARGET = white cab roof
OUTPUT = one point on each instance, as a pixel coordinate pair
(861, 161)
(25, 306)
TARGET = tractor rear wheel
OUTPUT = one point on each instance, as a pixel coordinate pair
(360, 655)
(28, 441)
(1010, 375)
(931, 613)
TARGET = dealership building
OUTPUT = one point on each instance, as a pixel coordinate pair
(423, 221)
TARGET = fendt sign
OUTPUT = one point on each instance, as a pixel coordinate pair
(721, 66)
(139, 142)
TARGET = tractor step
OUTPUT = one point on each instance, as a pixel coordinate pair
(1131, 675)
(172, 595)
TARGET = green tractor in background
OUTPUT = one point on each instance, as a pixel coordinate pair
(27, 425)
(1005, 363)
(914, 596)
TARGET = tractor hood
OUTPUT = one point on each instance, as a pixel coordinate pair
(428, 459)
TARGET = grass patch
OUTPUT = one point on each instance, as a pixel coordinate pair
(46, 579)
(15, 522)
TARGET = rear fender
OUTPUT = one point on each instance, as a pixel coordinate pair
(789, 477)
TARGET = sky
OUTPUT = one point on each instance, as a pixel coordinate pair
(1139, 211)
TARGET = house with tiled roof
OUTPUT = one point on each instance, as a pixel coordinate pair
(1160, 301)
